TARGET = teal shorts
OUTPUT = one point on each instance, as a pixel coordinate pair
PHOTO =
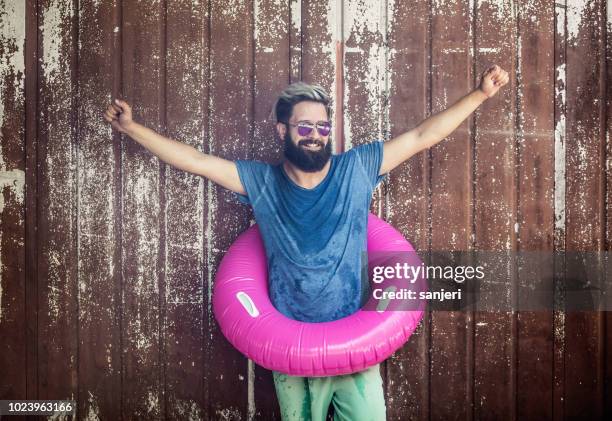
(356, 397)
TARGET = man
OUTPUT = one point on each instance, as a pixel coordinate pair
(312, 213)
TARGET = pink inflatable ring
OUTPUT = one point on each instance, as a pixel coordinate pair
(252, 324)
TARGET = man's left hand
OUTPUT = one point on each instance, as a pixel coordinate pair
(492, 79)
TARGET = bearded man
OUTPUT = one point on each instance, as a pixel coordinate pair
(312, 211)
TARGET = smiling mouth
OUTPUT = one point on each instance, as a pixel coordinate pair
(312, 145)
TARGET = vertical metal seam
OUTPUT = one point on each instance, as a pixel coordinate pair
(386, 103)
(605, 147)
(386, 194)
(301, 39)
(290, 41)
(555, 231)
(75, 156)
(209, 199)
(565, 178)
(427, 157)
(554, 240)
(516, 197)
(602, 121)
(605, 122)
(31, 136)
(560, 237)
(204, 327)
(295, 43)
(163, 217)
(383, 74)
(471, 318)
(26, 243)
(339, 77)
(601, 324)
(119, 63)
(251, 129)
(38, 177)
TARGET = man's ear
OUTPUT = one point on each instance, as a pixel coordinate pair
(281, 129)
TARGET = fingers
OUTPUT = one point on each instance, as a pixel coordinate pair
(502, 79)
(498, 76)
(111, 114)
(114, 109)
(494, 70)
(121, 105)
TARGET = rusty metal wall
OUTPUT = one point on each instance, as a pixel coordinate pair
(107, 255)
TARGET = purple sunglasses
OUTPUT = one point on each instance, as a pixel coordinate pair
(304, 128)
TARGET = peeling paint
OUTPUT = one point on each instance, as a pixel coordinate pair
(228, 414)
(53, 18)
(502, 8)
(364, 24)
(250, 389)
(152, 402)
(93, 409)
(55, 292)
(57, 87)
(141, 340)
(560, 134)
(189, 410)
(575, 13)
(295, 36)
(12, 65)
(494, 50)
(335, 34)
(362, 18)
(296, 14)
(12, 38)
(14, 182)
(560, 87)
(210, 237)
(109, 357)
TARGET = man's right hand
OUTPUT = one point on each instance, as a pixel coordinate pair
(178, 154)
(119, 115)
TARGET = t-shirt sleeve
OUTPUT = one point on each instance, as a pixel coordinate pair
(371, 156)
(253, 178)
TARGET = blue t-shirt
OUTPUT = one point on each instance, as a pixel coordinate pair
(314, 238)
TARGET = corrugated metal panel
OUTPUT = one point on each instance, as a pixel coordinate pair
(99, 212)
(107, 255)
(13, 322)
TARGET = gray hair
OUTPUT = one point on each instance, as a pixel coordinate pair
(298, 92)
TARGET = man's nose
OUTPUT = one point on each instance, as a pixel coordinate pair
(316, 135)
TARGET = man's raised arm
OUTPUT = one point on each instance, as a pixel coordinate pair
(177, 154)
(439, 126)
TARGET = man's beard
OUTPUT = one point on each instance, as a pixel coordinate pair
(305, 160)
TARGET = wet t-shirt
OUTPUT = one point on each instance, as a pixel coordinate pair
(314, 238)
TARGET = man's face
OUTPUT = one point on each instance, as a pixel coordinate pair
(309, 152)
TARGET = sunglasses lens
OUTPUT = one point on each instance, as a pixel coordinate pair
(304, 130)
(324, 129)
